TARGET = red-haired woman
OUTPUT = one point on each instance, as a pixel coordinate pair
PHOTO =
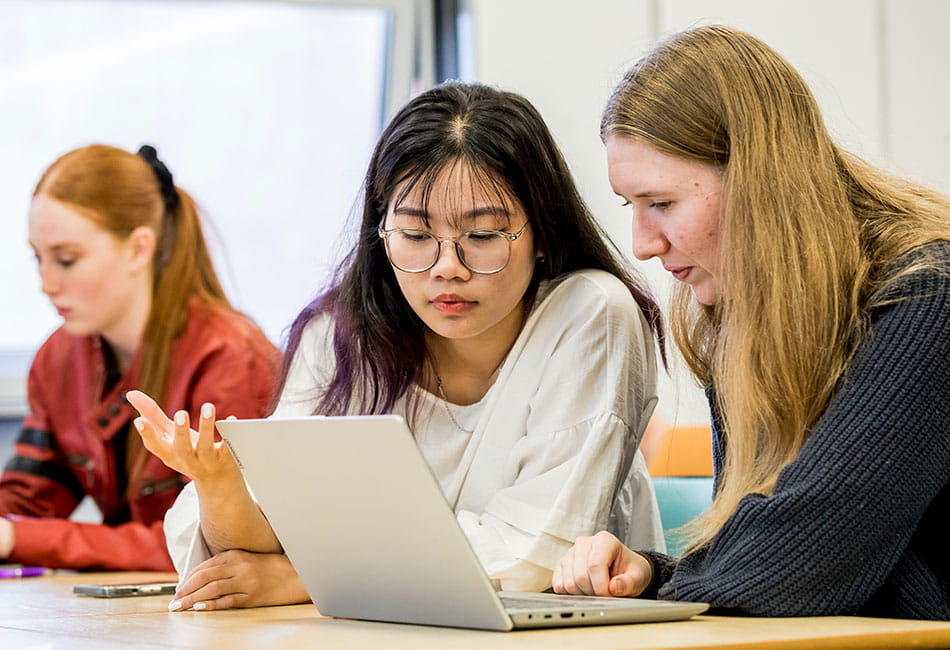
(123, 260)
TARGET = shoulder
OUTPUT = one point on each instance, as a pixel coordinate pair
(317, 334)
(207, 321)
(592, 301)
(314, 351)
(212, 330)
(905, 349)
(587, 288)
(311, 369)
(928, 264)
(587, 348)
(60, 347)
(64, 367)
(920, 277)
(589, 309)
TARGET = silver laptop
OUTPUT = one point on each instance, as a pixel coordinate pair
(367, 528)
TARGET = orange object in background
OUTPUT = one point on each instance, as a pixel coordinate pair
(680, 464)
(682, 451)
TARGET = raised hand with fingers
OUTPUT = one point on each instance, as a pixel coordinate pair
(240, 579)
(602, 566)
(230, 518)
(193, 453)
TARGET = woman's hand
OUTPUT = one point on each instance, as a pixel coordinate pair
(230, 518)
(192, 453)
(602, 566)
(7, 538)
(240, 579)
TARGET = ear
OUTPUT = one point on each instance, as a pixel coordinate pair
(141, 246)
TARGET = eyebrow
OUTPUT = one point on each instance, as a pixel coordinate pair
(69, 247)
(489, 210)
(648, 194)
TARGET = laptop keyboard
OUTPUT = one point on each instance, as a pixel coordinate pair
(547, 602)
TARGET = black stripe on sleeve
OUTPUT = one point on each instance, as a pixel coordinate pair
(48, 470)
(37, 438)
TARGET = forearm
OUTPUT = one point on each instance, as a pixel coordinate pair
(61, 543)
(231, 519)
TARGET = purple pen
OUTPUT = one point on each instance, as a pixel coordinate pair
(23, 572)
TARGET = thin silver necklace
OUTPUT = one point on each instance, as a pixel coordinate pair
(445, 405)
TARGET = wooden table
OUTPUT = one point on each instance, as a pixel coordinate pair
(43, 613)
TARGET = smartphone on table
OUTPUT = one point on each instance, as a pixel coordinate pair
(126, 590)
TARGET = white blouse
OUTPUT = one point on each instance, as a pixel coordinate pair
(553, 449)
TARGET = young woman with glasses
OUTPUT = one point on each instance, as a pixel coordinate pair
(483, 303)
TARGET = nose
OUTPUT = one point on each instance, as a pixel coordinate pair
(49, 282)
(648, 240)
(448, 265)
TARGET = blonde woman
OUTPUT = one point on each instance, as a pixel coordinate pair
(815, 308)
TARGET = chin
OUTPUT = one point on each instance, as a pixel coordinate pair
(705, 296)
(454, 330)
(78, 329)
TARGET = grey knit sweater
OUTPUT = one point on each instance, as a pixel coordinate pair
(859, 522)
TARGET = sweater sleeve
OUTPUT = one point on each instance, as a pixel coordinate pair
(843, 513)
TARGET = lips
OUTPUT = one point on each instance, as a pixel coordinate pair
(450, 303)
(679, 272)
(63, 311)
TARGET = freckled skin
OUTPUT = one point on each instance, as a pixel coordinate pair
(676, 205)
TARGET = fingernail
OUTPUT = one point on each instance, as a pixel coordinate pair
(206, 411)
(180, 418)
(174, 606)
(199, 606)
(138, 424)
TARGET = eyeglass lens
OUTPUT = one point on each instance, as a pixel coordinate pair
(417, 250)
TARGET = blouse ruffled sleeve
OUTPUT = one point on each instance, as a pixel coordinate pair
(584, 377)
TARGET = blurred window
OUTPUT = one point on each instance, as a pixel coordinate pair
(265, 111)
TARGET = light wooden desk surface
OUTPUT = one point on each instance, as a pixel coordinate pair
(43, 613)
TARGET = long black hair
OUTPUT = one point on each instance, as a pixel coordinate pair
(378, 341)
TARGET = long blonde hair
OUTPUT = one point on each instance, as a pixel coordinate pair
(808, 234)
(120, 191)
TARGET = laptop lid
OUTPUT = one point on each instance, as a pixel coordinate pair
(365, 524)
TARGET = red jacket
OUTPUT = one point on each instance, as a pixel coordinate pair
(65, 450)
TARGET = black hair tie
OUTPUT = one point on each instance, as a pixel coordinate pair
(165, 182)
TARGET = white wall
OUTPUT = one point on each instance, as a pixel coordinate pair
(876, 67)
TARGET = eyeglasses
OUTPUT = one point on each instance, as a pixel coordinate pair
(480, 251)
